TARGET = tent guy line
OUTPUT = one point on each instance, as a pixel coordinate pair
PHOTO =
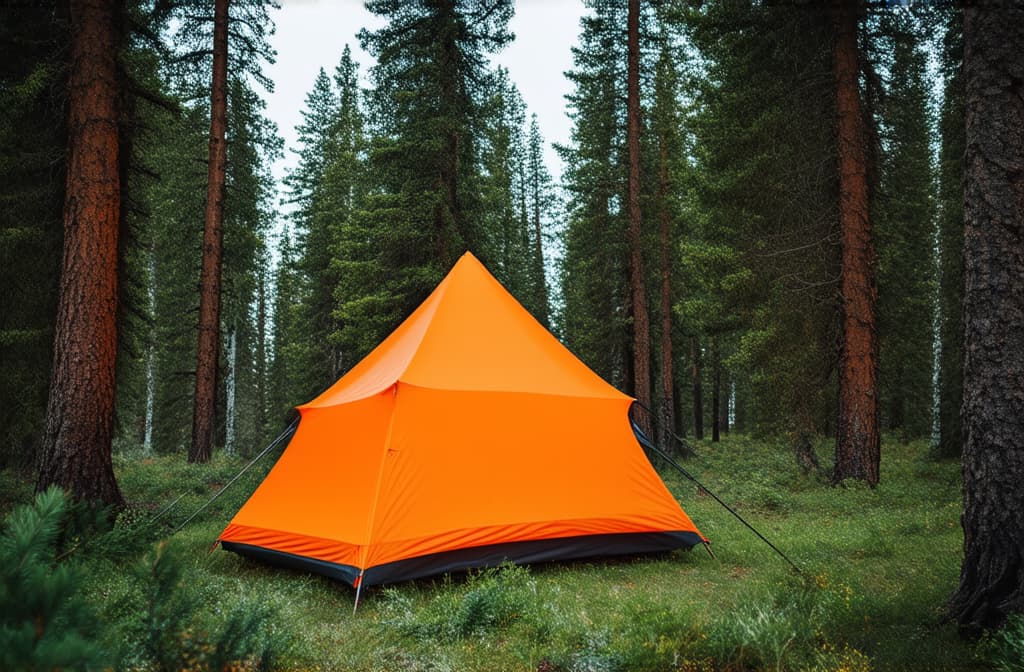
(647, 443)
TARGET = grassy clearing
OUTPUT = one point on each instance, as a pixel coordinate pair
(879, 565)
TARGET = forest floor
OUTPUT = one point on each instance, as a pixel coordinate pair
(878, 566)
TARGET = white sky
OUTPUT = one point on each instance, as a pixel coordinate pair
(312, 34)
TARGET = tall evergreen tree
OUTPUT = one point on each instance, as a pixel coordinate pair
(905, 213)
(233, 39)
(593, 273)
(286, 374)
(210, 275)
(503, 192)
(857, 433)
(666, 129)
(992, 574)
(748, 270)
(80, 414)
(421, 211)
(327, 186)
(641, 326)
(540, 198)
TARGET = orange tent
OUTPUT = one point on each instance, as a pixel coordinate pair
(470, 436)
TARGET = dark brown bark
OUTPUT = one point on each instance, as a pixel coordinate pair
(668, 402)
(638, 274)
(857, 437)
(716, 384)
(76, 453)
(698, 396)
(213, 242)
(992, 574)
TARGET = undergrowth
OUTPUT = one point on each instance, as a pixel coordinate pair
(877, 568)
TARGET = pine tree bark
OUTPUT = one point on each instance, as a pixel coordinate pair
(668, 402)
(204, 407)
(698, 396)
(637, 272)
(857, 437)
(992, 574)
(76, 452)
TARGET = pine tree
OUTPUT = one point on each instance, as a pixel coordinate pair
(247, 218)
(45, 619)
(666, 129)
(80, 413)
(539, 194)
(233, 39)
(327, 188)
(176, 231)
(905, 212)
(992, 574)
(593, 271)
(286, 375)
(641, 327)
(502, 185)
(421, 211)
(749, 271)
(210, 276)
(857, 434)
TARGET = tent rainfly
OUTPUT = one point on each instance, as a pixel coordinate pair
(469, 437)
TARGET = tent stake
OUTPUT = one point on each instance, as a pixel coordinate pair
(359, 589)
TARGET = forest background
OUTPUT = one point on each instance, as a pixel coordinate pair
(760, 227)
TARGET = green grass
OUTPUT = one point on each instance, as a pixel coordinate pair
(878, 566)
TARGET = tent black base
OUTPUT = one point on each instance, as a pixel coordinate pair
(521, 552)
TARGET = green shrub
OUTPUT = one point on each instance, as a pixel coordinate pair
(45, 622)
(656, 637)
(786, 629)
(1005, 648)
(168, 629)
(491, 599)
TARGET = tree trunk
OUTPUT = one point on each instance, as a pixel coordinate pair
(857, 437)
(76, 452)
(668, 402)
(698, 397)
(716, 385)
(538, 252)
(992, 574)
(147, 436)
(261, 349)
(232, 382)
(213, 237)
(638, 274)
